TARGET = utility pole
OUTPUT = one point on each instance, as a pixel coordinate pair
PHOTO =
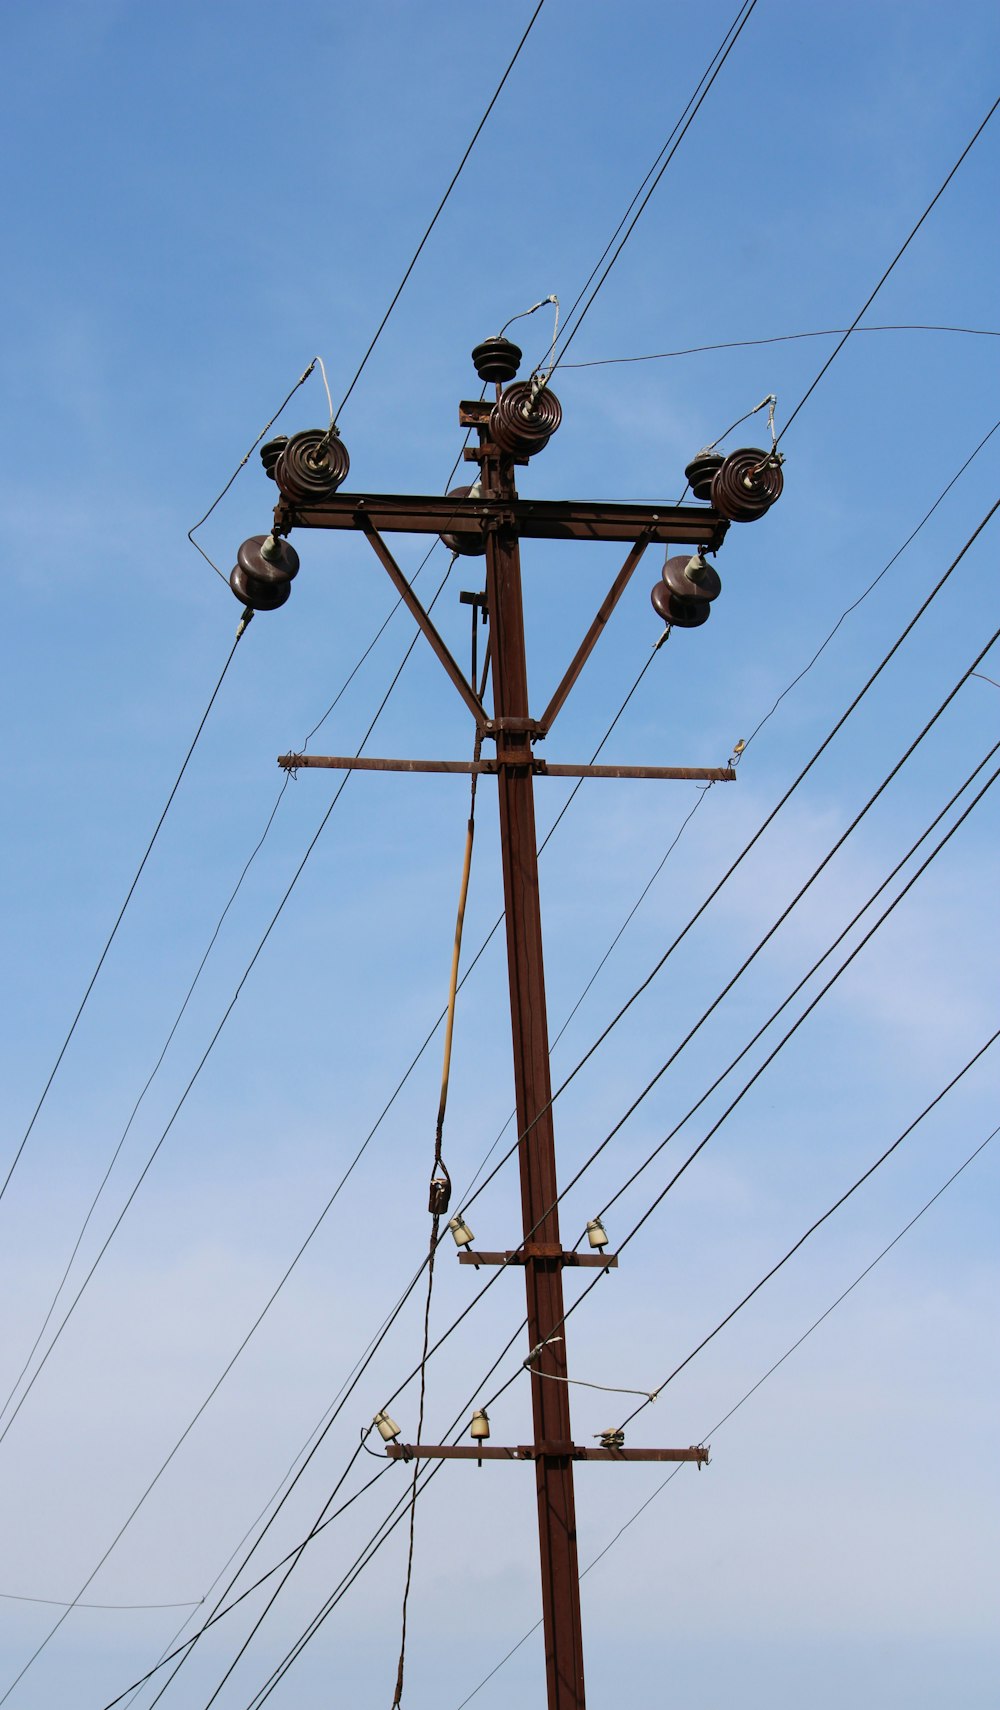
(490, 519)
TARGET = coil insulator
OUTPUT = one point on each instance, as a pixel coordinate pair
(467, 545)
(683, 596)
(522, 426)
(311, 466)
(270, 451)
(497, 360)
(700, 470)
(747, 484)
(262, 575)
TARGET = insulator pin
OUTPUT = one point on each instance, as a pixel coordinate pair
(747, 484)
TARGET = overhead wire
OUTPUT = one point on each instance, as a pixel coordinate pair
(447, 1332)
(651, 180)
(120, 916)
(779, 338)
(215, 1036)
(439, 209)
(819, 1221)
(713, 1430)
(869, 300)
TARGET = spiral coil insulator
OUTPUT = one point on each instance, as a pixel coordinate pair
(683, 596)
(311, 466)
(700, 470)
(270, 451)
(497, 360)
(747, 484)
(521, 425)
(263, 572)
(466, 545)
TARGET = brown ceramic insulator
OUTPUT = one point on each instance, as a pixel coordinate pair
(522, 427)
(699, 472)
(271, 450)
(497, 360)
(264, 581)
(747, 484)
(681, 613)
(467, 545)
(311, 466)
(262, 596)
(705, 586)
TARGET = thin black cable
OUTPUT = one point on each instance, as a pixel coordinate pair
(698, 88)
(303, 377)
(707, 1435)
(783, 1041)
(730, 1108)
(121, 913)
(779, 338)
(872, 584)
(769, 818)
(806, 977)
(454, 180)
(514, 1376)
(897, 257)
(733, 34)
(859, 1182)
(273, 922)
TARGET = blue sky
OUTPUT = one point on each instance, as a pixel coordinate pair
(202, 199)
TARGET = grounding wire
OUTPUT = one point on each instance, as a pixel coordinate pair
(121, 914)
(232, 1003)
(438, 210)
(714, 1429)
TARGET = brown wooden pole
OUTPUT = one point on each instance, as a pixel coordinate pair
(543, 1276)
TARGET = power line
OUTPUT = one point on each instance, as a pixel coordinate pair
(434, 219)
(714, 1429)
(844, 1197)
(232, 1003)
(121, 913)
(897, 257)
(665, 157)
(780, 338)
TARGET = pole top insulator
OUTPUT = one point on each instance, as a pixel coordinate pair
(497, 359)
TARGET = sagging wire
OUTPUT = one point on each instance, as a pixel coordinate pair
(533, 1370)
(779, 338)
(244, 460)
(440, 1186)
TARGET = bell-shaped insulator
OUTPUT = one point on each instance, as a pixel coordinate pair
(271, 450)
(497, 360)
(439, 1195)
(700, 470)
(262, 575)
(387, 1428)
(311, 466)
(467, 545)
(479, 1429)
(747, 484)
(523, 420)
(597, 1235)
(461, 1234)
(685, 591)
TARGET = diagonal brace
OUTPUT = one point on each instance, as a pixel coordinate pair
(425, 622)
(595, 631)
